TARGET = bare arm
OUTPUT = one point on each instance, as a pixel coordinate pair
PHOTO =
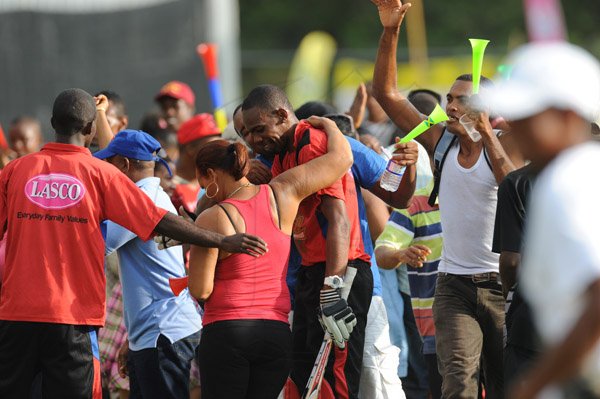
(338, 236)
(203, 204)
(104, 133)
(564, 360)
(507, 139)
(203, 261)
(359, 105)
(402, 197)
(385, 87)
(387, 257)
(377, 213)
(390, 258)
(295, 184)
(407, 155)
(509, 263)
(500, 160)
(182, 230)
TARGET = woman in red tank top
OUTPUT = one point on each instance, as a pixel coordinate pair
(245, 347)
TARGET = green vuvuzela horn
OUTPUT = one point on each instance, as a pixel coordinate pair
(437, 116)
(478, 46)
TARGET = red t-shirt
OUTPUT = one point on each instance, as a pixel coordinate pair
(310, 226)
(51, 206)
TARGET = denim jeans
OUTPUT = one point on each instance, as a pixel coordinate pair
(162, 372)
(469, 320)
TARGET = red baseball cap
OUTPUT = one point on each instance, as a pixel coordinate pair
(177, 90)
(200, 126)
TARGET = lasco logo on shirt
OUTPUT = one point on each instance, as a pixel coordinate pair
(54, 191)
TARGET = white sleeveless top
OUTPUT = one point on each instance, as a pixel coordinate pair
(467, 200)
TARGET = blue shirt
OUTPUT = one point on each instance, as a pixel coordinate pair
(367, 169)
(149, 306)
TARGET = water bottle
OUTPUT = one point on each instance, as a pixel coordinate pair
(392, 176)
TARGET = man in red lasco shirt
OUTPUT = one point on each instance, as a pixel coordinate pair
(328, 236)
(52, 298)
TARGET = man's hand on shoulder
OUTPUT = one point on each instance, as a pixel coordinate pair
(391, 12)
(244, 243)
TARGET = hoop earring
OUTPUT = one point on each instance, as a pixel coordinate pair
(216, 192)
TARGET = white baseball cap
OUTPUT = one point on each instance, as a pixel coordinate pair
(547, 75)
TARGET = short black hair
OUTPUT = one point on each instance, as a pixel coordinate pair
(424, 100)
(484, 81)
(116, 100)
(267, 98)
(73, 110)
(316, 108)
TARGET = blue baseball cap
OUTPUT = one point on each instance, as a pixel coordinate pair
(134, 144)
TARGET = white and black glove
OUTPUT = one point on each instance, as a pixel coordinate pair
(336, 316)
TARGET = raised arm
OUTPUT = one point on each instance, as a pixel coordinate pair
(385, 87)
(104, 134)
(295, 184)
(502, 163)
(359, 105)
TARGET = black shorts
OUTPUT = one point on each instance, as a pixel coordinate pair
(65, 355)
(344, 366)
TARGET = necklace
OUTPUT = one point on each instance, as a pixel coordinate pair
(238, 189)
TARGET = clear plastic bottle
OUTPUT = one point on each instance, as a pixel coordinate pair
(390, 180)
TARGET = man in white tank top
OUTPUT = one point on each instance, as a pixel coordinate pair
(468, 303)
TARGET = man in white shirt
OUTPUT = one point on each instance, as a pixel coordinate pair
(551, 98)
(468, 309)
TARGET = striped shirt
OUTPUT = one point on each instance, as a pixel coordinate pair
(419, 224)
